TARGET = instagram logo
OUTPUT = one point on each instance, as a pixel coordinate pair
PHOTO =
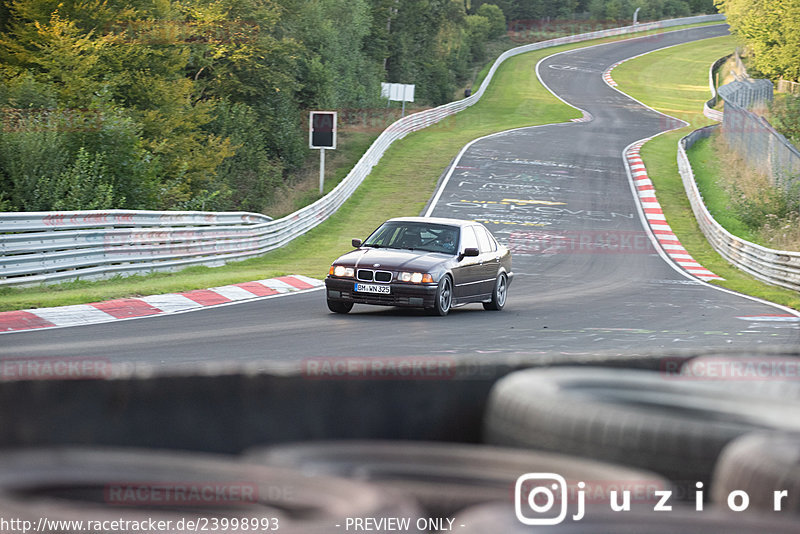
(535, 496)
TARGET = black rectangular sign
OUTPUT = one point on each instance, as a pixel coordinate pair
(322, 129)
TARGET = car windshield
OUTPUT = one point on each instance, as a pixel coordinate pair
(415, 236)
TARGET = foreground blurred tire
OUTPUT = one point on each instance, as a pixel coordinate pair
(136, 485)
(501, 519)
(446, 477)
(638, 418)
(760, 465)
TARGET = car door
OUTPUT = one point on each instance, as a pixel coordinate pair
(488, 261)
(467, 274)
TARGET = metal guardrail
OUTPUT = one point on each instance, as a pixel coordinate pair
(48, 247)
(708, 111)
(45, 220)
(777, 267)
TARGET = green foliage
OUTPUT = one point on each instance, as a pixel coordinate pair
(770, 28)
(702, 6)
(478, 29)
(547, 10)
(248, 179)
(623, 10)
(83, 186)
(784, 115)
(757, 210)
(429, 46)
(23, 91)
(335, 35)
(496, 18)
(37, 149)
(202, 102)
(37, 146)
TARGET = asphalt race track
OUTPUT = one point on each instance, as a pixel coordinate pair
(560, 196)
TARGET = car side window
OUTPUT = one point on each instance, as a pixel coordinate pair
(485, 242)
(468, 239)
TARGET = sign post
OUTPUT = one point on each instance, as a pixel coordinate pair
(322, 135)
(399, 92)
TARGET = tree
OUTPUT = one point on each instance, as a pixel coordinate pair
(336, 70)
(478, 29)
(496, 18)
(176, 104)
(770, 28)
(56, 51)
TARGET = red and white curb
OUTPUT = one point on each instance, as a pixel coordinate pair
(114, 310)
(655, 217)
(587, 117)
(652, 208)
(607, 74)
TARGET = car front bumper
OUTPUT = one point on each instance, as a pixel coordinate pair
(409, 295)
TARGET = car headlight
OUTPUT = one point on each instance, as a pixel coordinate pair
(341, 270)
(415, 278)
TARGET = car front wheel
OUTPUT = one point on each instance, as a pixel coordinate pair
(499, 294)
(337, 306)
(444, 297)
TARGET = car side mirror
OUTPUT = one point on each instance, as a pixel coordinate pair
(470, 252)
(356, 243)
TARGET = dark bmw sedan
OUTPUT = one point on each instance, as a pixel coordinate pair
(422, 262)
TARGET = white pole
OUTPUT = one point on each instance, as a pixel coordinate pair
(321, 170)
(636, 16)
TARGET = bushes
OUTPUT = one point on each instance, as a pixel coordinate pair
(83, 186)
(770, 30)
(45, 154)
(770, 212)
(201, 104)
(784, 115)
(248, 179)
(622, 10)
(496, 18)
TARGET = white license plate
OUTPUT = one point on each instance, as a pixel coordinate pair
(372, 288)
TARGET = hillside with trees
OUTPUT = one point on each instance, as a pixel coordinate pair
(771, 30)
(200, 104)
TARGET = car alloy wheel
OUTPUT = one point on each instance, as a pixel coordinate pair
(499, 294)
(444, 296)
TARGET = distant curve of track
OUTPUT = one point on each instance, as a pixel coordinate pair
(535, 187)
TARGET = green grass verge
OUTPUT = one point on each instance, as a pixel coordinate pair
(399, 186)
(350, 146)
(675, 81)
(707, 167)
